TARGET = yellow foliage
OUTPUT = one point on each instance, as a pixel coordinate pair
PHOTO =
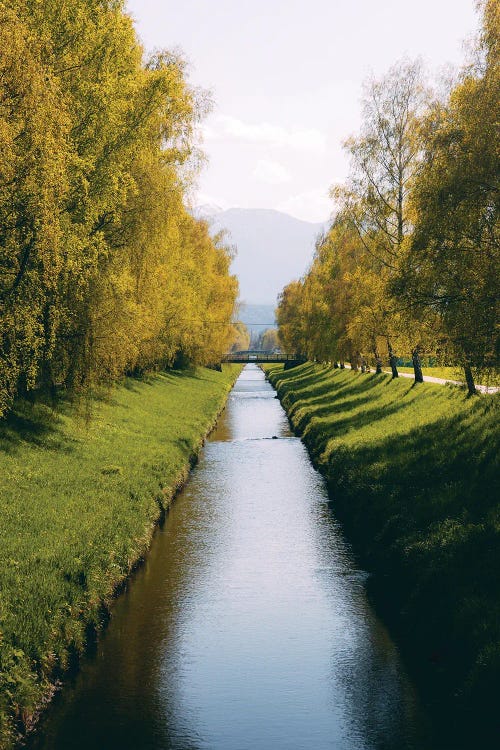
(102, 270)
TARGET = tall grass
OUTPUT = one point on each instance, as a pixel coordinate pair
(413, 475)
(78, 503)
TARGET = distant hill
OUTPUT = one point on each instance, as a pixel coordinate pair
(257, 317)
(273, 248)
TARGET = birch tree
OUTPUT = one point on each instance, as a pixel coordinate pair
(385, 160)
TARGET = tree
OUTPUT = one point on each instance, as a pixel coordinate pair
(335, 295)
(269, 340)
(33, 187)
(289, 318)
(385, 160)
(241, 340)
(102, 270)
(453, 261)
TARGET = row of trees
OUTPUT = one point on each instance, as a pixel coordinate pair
(266, 340)
(411, 262)
(102, 269)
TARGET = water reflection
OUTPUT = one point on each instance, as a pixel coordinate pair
(248, 628)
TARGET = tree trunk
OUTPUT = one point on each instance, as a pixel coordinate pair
(378, 362)
(469, 379)
(392, 360)
(47, 383)
(354, 363)
(417, 366)
(362, 362)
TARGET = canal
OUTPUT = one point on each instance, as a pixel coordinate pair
(248, 628)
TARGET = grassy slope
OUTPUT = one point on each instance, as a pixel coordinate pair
(78, 503)
(413, 473)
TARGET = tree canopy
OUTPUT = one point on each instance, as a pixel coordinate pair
(103, 271)
(411, 262)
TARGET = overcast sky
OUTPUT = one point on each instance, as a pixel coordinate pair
(286, 79)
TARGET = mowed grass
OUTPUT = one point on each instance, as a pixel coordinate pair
(413, 474)
(79, 500)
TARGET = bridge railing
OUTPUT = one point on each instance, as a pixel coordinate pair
(262, 357)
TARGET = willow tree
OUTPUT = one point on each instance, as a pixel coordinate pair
(33, 187)
(134, 295)
(331, 286)
(290, 319)
(198, 328)
(241, 340)
(269, 340)
(102, 270)
(90, 50)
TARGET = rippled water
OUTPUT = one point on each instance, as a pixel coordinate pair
(248, 628)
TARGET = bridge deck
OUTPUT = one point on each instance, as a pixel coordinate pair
(260, 357)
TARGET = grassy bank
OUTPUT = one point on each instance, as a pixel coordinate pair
(413, 474)
(79, 500)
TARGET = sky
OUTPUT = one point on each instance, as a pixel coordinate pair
(286, 82)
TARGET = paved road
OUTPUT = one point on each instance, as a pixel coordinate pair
(443, 381)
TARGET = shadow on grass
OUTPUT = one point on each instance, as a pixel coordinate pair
(340, 403)
(38, 421)
(423, 510)
(335, 388)
(133, 383)
(33, 424)
(418, 495)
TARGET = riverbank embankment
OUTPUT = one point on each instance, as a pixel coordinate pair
(413, 476)
(80, 500)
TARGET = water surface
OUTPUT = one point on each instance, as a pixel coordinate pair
(248, 627)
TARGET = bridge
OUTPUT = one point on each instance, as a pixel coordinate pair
(258, 356)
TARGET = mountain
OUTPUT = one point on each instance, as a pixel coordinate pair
(257, 318)
(273, 248)
(206, 211)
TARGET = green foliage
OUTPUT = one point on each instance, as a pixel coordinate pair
(411, 262)
(413, 474)
(453, 261)
(79, 502)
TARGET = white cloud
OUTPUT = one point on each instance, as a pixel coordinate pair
(271, 172)
(224, 126)
(312, 205)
